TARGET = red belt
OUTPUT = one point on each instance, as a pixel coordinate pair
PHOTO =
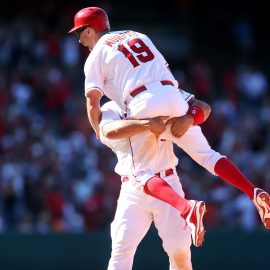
(166, 173)
(142, 88)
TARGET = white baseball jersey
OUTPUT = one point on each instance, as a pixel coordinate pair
(122, 61)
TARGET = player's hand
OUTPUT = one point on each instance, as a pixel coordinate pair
(180, 125)
(157, 125)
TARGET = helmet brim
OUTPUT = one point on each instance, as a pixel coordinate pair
(75, 28)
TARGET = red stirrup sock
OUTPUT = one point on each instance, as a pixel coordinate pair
(226, 170)
(160, 189)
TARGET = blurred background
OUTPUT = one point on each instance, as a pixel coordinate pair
(56, 178)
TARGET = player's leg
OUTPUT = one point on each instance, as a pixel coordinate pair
(161, 190)
(229, 172)
(194, 143)
(172, 229)
(130, 225)
(190, 210)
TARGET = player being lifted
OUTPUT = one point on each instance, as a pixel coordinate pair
(126, 67)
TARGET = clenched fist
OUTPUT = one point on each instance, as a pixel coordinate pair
(157, 125)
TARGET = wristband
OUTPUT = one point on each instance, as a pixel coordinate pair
(197, 114)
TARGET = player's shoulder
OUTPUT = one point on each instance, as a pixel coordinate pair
(123, 32)
(114, 36)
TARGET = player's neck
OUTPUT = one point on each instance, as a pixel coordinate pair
(100, 34)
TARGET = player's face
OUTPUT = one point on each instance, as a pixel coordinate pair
(86, 37)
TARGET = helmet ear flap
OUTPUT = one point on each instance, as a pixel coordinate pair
(94, 17)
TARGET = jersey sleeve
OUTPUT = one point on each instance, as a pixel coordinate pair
(109, 112)
(93, 72)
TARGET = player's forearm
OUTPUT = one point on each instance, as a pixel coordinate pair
(120, 129)
(93, 109)
(94, 115)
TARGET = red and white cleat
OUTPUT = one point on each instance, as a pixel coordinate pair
(261, 200)
(194, 219)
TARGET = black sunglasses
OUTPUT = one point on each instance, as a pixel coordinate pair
(79, 31)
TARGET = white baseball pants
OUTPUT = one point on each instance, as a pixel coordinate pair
(134, 215)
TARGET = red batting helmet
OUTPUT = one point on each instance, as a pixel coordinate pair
(94, 17)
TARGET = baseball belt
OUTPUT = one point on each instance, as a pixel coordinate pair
(165, 173)
(142, 88)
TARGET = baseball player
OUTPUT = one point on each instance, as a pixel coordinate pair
(136, 210)
(129, 62)
(126, 67)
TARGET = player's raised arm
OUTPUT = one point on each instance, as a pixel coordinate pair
(93, 109)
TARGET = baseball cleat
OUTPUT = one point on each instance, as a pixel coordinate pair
(261, 200)
(194, 219)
